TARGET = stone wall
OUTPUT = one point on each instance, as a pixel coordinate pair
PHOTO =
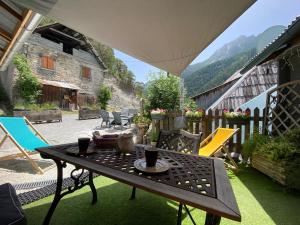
(67, 66)
(67, 69)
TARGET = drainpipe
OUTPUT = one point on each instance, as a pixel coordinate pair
(26, 33)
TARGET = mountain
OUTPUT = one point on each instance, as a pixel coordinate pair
(226, 60)
(216, 73)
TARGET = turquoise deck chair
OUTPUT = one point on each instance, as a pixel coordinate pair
(26, 138)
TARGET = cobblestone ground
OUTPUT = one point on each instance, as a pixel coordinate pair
(20, 171)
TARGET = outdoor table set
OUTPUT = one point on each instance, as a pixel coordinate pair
(200, 182)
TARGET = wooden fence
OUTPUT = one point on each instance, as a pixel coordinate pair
(214, 119)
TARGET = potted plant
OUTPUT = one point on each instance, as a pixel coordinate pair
(154, 138)
(158, 114)
(194, 115)
(142, 123)
(238, 116)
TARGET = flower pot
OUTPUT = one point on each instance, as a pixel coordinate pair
(153, 143)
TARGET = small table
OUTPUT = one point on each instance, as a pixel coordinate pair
(192, 180)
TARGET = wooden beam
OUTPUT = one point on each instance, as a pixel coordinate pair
(66, 35)
(10, 10)
(3, 33)
(17, 32)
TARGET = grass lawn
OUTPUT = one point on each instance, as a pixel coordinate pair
(261, 202)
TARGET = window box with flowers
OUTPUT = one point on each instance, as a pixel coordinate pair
(158, 114)
(194, 115)
(237, 117)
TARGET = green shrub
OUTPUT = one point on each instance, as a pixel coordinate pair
(163, 93)
(139, 119)
(104, 96)
(28, 85)
(154, 136)
(294, 137)
(35, 107)
(276, 150)
(253, 143)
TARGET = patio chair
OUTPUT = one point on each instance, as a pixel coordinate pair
(179, 141)
(105, 117)
(25, 137)
(118, 120)
(216, 141)
(127, 115)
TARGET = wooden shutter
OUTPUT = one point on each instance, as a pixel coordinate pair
(86, 72)
(50, 63)
(47, 62)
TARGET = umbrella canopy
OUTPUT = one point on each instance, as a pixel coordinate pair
(167, 34)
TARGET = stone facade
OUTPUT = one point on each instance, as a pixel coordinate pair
(67, 68)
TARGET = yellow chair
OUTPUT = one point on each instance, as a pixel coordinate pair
(216, 141)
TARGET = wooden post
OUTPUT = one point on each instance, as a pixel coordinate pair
(256, 119)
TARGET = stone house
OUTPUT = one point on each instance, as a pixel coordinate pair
(66, 64)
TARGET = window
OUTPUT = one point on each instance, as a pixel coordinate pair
(86, 72)
(47, 62)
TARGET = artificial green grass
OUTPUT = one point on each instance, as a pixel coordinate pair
(261, 202)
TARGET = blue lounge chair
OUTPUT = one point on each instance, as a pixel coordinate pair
(26, 138)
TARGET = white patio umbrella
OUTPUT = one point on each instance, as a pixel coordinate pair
(167, 34)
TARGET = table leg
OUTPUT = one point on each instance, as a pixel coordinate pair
(132, 193)
(179, 214)
(92, 186)
(57, 196)
(212, 219)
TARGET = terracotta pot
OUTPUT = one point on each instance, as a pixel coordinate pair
(125, 143)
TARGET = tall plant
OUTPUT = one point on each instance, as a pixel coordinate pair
(104, 96)
(163, 93)
(28, 85)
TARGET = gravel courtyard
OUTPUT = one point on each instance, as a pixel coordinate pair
(20, 171)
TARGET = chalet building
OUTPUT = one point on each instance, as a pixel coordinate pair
(240, 88)
(282, 107)
(66, 64)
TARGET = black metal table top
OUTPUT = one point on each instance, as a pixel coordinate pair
(195, 176)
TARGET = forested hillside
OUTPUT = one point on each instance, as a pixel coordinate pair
(226, 60)
(216, 73)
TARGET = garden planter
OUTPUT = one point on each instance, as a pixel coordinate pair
(85, 114)
(40, 116)
(157, 117)
(269, 167)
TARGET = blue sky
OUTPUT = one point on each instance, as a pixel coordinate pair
(259, 17)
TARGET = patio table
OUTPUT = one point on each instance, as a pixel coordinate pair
(197, 181)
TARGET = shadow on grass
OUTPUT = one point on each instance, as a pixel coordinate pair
(281, 205)
(113, 208)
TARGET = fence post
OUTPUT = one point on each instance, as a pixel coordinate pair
(256, 119)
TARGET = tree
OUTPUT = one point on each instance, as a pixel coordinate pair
(28, 85)
(163, 92)
(104, 96)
